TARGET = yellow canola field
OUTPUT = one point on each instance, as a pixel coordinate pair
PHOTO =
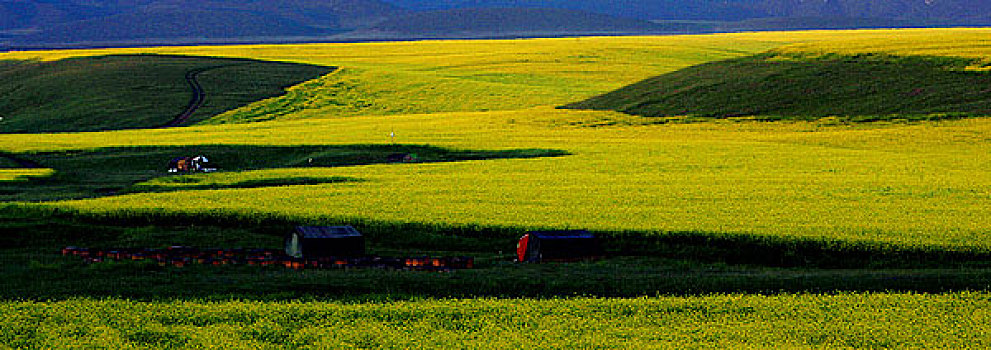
(394, 78)
(955, 320)
(923, 184)
(912, 185)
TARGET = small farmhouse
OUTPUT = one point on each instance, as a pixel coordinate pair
(575, 245)
(324, 241)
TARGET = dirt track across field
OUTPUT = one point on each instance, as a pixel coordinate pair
(195, 102)
(197, 99)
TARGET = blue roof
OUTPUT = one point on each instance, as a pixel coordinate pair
(327, 231)
(562, 234)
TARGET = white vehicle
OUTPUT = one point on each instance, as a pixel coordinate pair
(190, 165)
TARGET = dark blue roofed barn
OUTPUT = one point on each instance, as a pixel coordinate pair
(325, 241)
(574, 245)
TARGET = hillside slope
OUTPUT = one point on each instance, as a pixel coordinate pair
(124, 92)
(778, 86)
(734, 10)
(494, 22)
(103, 22)
(166, 24)
(31, 24)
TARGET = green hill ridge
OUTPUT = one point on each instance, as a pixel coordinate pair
(496, 22)
(133, 91)
(777, 86)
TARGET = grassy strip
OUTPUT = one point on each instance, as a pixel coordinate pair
(23, 175)
(185, 183)
(120, 168)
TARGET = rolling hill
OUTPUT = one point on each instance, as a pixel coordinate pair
(133, 91)
(735, 10)
(499, 22)
(159, 25)
(803, 23)
(778, 86)
(28, 23)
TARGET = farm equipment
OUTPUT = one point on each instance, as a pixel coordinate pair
(190, 165)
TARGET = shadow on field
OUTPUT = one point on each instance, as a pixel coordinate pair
(640, 263)
(111, 171)
(137, 91)
(777, 86)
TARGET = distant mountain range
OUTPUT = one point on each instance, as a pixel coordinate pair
(81, 23)
(19, 14)
(507, 22)
(735, 10)
(52, 23)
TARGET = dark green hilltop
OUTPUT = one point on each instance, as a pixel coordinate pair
(135, 91)
(785, 87)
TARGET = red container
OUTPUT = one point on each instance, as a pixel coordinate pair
(418, 262)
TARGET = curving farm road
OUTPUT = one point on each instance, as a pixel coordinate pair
(195, 102)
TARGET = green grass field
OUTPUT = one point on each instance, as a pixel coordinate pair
(133, 91)
(773, 87)
(737, 232)
(444, 76)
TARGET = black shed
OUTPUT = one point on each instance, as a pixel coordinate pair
(537, 246)
(325, 241)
